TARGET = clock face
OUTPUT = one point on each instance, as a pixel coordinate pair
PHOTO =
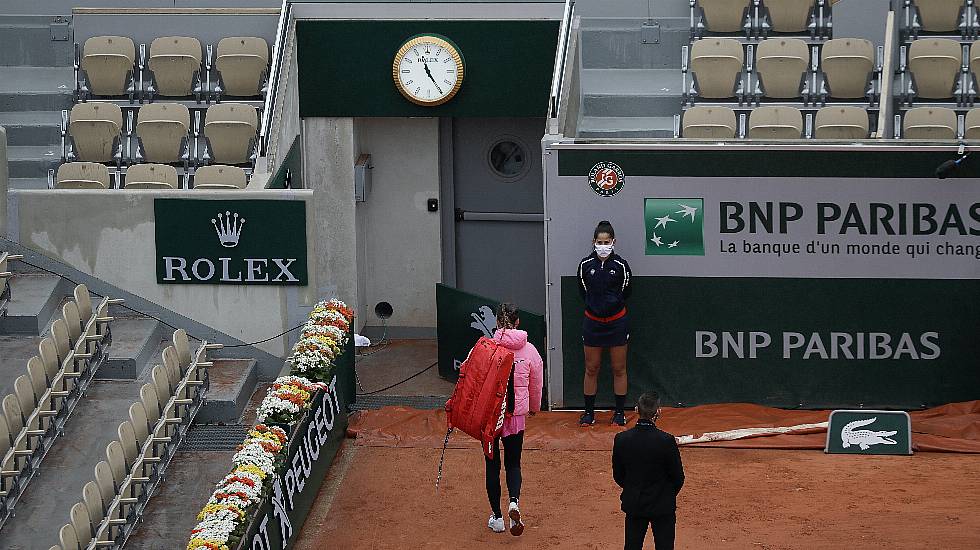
(428, 70)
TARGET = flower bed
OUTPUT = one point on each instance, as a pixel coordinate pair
(224, 519)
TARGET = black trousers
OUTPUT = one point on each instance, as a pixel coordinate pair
(512, 464)
(663, 531)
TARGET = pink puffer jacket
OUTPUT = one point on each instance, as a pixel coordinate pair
(528, 377)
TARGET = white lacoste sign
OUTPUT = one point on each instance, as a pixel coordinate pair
(850, 435)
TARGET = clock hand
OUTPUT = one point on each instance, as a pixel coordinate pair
(428, 72)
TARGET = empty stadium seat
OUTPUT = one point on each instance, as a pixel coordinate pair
(231, 132)
(175, 64)
(716, 64)
(83, 175)
(219, 176)
(929, 123)
(724, 15)
(105, 67)
(781, 64)
(775, 123)
(151, 176)
(162, 130)
(971, 129)
(94, 130)
(709, 123)
(841, 122)
(847, 65)
(939, 15)
(934, 64)
(242, 64)
(789, 15)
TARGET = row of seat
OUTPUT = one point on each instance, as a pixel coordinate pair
(92, 175)
(782, 69)
(939, 69)
(775, 122)
(757, 18)
(113, 503)
(5, 276)
(108, 66)
(937, 123)
(940, 16)
(161, 133)
(34, 415)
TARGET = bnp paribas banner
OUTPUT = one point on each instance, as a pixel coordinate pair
(784, 291)
(232, 242)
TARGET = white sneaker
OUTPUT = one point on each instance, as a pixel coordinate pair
(496, 524)
(516, 525)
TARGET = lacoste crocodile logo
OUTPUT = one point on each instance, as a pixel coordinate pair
(865, 438)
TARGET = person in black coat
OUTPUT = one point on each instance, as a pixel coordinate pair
(647, 465)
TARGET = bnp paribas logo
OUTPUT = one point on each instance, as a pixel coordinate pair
(675, 227)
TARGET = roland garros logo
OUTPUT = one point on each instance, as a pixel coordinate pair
(606, 179)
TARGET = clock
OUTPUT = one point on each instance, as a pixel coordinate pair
(428, 70)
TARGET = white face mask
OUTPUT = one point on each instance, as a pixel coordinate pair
(603, 250)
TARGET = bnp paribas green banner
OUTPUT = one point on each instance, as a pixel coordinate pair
(231, 242)
(750, 286)
(464, 317)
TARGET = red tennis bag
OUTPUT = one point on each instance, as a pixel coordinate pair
(477, 404)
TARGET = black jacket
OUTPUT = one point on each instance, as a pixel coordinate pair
(604, 285)
(647, 465)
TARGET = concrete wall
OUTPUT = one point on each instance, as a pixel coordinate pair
(110, 235)
(4, 183)
(328, 170)
(400, 239)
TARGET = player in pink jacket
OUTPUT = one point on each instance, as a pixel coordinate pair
(523, 398)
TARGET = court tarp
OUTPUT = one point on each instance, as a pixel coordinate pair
(950, 428)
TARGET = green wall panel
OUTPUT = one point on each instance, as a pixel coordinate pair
(345, 67)
(765, 162)
(666, 312)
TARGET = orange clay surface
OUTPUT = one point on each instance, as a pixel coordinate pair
(733, 498)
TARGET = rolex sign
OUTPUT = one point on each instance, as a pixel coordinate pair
(234, 242)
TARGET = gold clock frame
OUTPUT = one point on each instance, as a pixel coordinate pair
(441, 42)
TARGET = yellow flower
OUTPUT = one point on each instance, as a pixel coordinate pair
(251, 469)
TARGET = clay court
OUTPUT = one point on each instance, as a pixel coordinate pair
(381, 493)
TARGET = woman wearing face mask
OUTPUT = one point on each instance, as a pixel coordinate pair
(604, 283)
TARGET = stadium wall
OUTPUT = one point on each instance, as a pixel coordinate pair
(110, 235)
(816, 277)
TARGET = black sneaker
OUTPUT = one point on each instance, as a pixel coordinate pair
(619, 418)
(587, 419)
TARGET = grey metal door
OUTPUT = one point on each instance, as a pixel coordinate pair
(499, 208)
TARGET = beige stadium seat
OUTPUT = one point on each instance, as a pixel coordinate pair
(84, 302)
(972, 128)
(935, 65)
(841, 122)
(95, 129)
(175, 62)
(929, 123)
(242, 62)
(231, 130)
(781, 63)
(847, 64)
(218, 176)
(709, 123)
(82, 175)
(151, 176)
(94, 502)
(105, 480)
(717, 65)
(975, 61)
(939, 15)
(108, 63)
(68, 538)
(162, 131)
(775, 123)
(789, 15)
(724, 15)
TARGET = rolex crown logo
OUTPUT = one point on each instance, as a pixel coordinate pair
(229, 228)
